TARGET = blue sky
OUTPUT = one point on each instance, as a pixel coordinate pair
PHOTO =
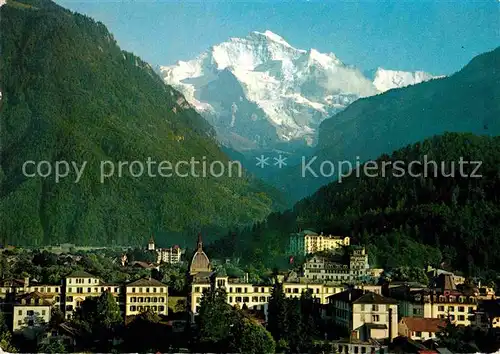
(438, 37)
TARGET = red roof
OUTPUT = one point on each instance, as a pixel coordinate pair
(422, 324)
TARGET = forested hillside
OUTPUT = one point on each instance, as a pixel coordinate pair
(70, 93)
(405, 220)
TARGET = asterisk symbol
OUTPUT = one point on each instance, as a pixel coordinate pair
(262, 161)
(280, 161)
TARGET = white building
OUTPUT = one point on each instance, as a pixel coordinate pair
(364, 313)
(171, 255)
(31, 310)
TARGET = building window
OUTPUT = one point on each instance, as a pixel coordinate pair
(461, 317)
(262, 299)
(89, 290)
(43, 312)
(132, 308)
(451, 308)
(375, 318)
(20, 313)
(196, 289)
(245, 299)
(30, 313)
(419, 334)
(154, 290)
(362, 307)
(374, 307)
(461, 309)
(440, 308)
(238, 298)
(147, 290)
(162, 308)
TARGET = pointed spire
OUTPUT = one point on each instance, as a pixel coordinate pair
(200, 242)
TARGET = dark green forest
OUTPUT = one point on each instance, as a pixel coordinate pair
(69, 93)
(403, 221)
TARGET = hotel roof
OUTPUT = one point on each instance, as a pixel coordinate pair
(359, 296)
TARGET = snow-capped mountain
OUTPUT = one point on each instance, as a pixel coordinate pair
(259, 91)
(389, 79)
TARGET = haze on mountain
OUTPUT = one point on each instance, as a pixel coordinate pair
(259, 91)
(467, 101)
(70, 93)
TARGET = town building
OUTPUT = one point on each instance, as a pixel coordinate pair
(442, 301)
(307, 242)
(340, 269)
(487, 315)
(354, 345)
(146, 294)
(171, 255)
(31, 310)
(79, 285)
(420, 328)
(366, 315)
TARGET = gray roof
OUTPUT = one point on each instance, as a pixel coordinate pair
(359, 296)
(80, 274)
(146, 282)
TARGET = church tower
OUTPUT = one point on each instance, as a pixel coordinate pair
(200, 262)
(151, 244)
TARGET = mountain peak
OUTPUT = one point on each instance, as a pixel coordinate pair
(273, 37)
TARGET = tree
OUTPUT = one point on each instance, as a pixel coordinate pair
(55, 346)
(6, 336)
(248, 336)
(277, 313)
(98, 319)
(6, 342)
(56, 318)
(146, 333)
(214, 320)
(295, 325)
(309, 319)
